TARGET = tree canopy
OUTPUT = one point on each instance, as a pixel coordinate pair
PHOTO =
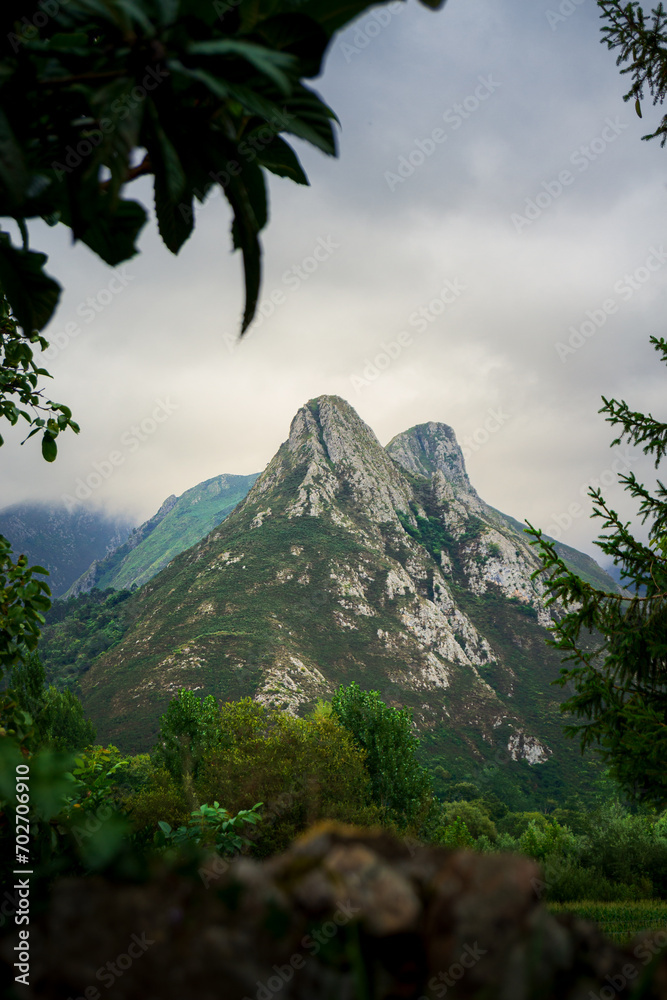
(192, 93)
(641, 42)
(399, 783)
(617, 643)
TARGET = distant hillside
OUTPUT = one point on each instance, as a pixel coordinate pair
(64, 542)
(179, 523)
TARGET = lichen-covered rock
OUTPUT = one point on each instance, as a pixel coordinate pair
(344, 914)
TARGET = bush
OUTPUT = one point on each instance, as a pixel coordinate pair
(516, 823)
(567, 881)
(541, 841)
(625, 848)
(575, 820)
(461, 791)
(211, 827)
(400, 786)
(303, 770)
(455, 834)
(160, 799)
(474, 816)
(443, 815)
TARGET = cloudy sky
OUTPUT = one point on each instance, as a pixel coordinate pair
(491, 253)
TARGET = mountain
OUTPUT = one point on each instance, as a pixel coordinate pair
(63, 541)
(348, 561)
(178, 524)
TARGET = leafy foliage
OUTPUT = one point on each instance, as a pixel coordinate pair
(618, 642)
(212, 827)
(642, 42)
(58, 717)
(195, 95)
(23, 601)
(302, 769)
(399, 783)
(19, 380)
(78, 629)
(189, 728)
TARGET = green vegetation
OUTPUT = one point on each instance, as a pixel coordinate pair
(154, 544)
(238, 777)
(640, 40)
(212, 827)
(620, 677)
(78, 629)
(215, 90)
(620, 921)
(399, 784)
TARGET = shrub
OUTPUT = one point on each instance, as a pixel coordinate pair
(399, 784)
(302, 769)
(162, 798)
(625, 848)
(516, 823)
(541, 841)
(458, 824)
(575, 820)
(567, 882)
(475, 818)
(461, 791)
(211, 827)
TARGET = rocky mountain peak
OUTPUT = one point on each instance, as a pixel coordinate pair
(429, 448)
(339, 452)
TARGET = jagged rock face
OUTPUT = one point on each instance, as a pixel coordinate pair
(430, 448)
(340, 566)
(337, 449)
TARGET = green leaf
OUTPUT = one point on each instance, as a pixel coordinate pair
(307, 116)
(173, 209)
(297, 34)
(74, 41)
(32, 294)
(49, 447)
(270, 63)
(638, 108)
(112, 237)
(279, 157)
(249, 217)
(167, 11)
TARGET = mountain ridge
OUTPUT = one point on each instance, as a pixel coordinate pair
(178, 523)
(64, 541)
(340, 564)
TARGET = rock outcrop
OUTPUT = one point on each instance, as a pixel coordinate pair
(344, 914)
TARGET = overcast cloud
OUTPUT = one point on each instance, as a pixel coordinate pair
(435, 296)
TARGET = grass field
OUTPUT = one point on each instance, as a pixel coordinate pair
(619, 921)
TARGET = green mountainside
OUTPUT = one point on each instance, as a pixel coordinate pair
(347, 561)
(64, 541)
(179, 523)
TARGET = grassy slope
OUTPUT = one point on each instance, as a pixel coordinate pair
(195, 513)
(249, 623)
